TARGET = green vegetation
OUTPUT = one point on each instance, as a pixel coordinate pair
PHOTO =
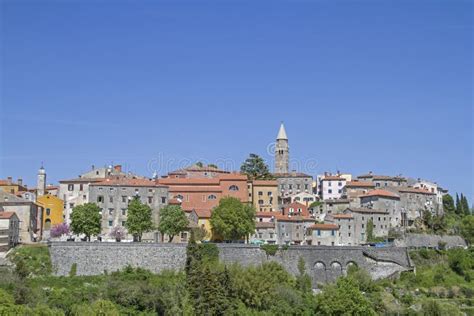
(85, 219)
(270, 250)
(232, 219)
(139, 219)
(442, 285)
(256, 168)
(173, 220)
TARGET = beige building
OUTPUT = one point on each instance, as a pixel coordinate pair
(9, 230)
(263, 194)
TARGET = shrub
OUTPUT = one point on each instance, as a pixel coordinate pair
(59, 230)
(73, 270)
(270, 250)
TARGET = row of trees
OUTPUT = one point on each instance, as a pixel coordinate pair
(231, 220)
(461, 207)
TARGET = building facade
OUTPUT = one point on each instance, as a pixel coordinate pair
(52, 212)
(9, 230)
(282, 151)
(263, 195)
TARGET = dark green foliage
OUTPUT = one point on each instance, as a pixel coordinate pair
(448, 204)
(232, 219)
(31, 260)
(303, 280)
(255, 168)
(269, 249)
(85, 219)
(139, 219)
(173, 220)
(467, 228)
(369, 231)
(343, 298)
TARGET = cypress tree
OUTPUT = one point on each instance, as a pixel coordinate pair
(458, 205)
(465, 206)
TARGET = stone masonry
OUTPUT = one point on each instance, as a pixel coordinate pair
(323, 263)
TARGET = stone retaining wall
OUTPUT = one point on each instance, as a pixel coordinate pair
(323, 264)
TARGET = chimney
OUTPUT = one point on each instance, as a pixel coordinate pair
(93, 167)
(118, 168)
(20, 181)
(9, 180)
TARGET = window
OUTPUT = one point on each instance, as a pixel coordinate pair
(70, 187)
(179, 197)
(298, 186)
(271, 235)
(212, 197)
(306, 187)
(363, 225)
(319, 232)
(333, 233)
(124, 211)
(150, 199)
(163, 200)
(260, 193)
(150, 190)
(269, 193)
(332, 243)
(260, 235)
(260, 202)
(48, 212)
(123, 223)
(111, 189)
(124, 198)
(329, 191)
(329, 183)
(340, 191)
(71, 205)
(111, 223)
(111, 199)
(100, 199)
(349, 234)
(81, 187)
(339, 183)
(233, 188)
(111, 211)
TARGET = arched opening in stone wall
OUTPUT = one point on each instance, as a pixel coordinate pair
(319, 272)
(334, 271)
(349, 265)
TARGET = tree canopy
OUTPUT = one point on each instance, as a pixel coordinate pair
(85, 219)
(173, 220)
(139, 219)
(232, 219)
(256, 168)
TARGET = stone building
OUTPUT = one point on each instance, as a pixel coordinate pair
(265, 232)
(29, 213)
(324, 234)
(362, 216)
(414, 201)
(76, 191)
(197, 170)
(304, 198)
(113, 195)
(387, 201)
(295, 208)
(345, 222)
(353, 189)
(292, 183)
(381, 181)
(263, 194)
(9, 230)
(293, 229)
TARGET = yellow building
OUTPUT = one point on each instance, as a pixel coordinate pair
(202, 219)
(12, 187)
(264, 195)
(52, 210)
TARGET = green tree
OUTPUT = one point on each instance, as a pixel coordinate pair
(467, 228)
(459, 209)
(303, 281)
(343, 298)
(232, 219)
(255, 168)
(427, 219)
(448, 204)
(173, 220)
(139, 219)
(369, 231)
(85, 219)
(465, 206)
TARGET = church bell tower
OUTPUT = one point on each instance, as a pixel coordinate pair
(282, 151)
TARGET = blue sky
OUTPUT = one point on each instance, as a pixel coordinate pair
(361, 85)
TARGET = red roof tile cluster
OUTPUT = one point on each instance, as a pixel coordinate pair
(342, 216)
(6, 215)
(129, 182)
(293, 218)
(383, 193)
(416, 191)
(333, 178)
(203, 213)
(324, 227)
(265, 183)
(360, 184)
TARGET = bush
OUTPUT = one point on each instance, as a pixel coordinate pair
(270, 250)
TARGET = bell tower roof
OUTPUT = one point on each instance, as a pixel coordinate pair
(282, 132)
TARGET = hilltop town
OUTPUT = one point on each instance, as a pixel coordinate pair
(290, 207)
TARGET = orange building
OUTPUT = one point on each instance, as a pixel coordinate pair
(205, 193)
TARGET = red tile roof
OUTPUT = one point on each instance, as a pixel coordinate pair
(6, 215)
(383, 193)
(203, 213)
(266, 214)
(293, 218)
(129, 182)
(174, 202)
(324, 226)
(182, 189)
(264, 225)
(414, 190)
(265, 183)
(333, 178)
(342, 216)
(361, 184)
